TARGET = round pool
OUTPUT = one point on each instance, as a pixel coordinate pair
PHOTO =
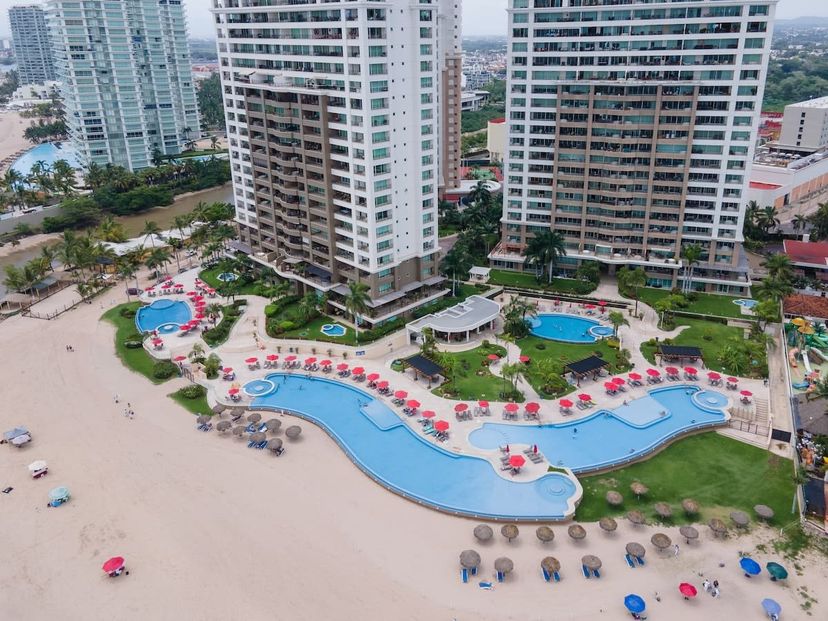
(227, 277)
(710, 399)
(748, 304)
(333, 329)
(568, 328)
(163, 315)
(259, 388)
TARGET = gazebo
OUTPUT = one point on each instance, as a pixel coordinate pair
(679, 353)
(424, 367)
(585, 367)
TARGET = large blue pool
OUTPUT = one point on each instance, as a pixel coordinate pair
(568, 328)
(376, 439)
(48, 152)
(608, 438)
(162, 315)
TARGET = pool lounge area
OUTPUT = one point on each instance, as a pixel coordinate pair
(386, 449)
(164, 316)
(568, 328)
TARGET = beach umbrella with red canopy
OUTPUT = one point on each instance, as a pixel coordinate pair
(511, 407)
(653, 372)
(441, 425)
(688, 590)
(400, 394)
(428, 414)
(746, 393)
(180, 358)
(192, 293)
(290, 358)
(326, 363)
(372, 377)
(382, 385)
(635, 377)
(602, 303)
(671, 370)
(493, 357)
(227, 370)
(413, 404)
(311, 360)
(199, 316)
(483, 403)
(157, 341)
(233, 391)
(252, 360)
(690, 370)
(461, 407)
(732, 380)
(584, 397)
(516, 461)
(342, 366)
(358, 370)
(610, 386)
(166, 285)
(532, 407)
(272, 357)
(524, 359)
(114, 564)
(714, 376)
(618, 381)
(566, 403)
(589, 306)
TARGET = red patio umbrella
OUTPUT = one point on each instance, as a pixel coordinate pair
(357, 370)
(326, 363)
(532, 407)
(610, 386)
(157, 341)
(428, 414)
(602, 303)
(166, 285)
(413, 404)
(233, 391)
(618, 381)
(566, 403)
(199, 316)
(178, 285)
(690, 370)
(524, 359)
(382, 385)
(493, 357)
(589, 306)
(483, 403)
(192, 293)
(511, 407)
(746, 393)
(113, 564)
(150, 289)
(290, 358)
(342, 366)
(732, 380)
(252, 360)
(310, 360)
(714, 376)
(635, 377)
(272, 357)
(400, 394)
(441, 425)
(227, 370)
(516, 461)
(671, 370)
(461, 407)
(688, 590)
(180, 358)
(372, 377)
(653, 372)
(584, 397)
(168, 277)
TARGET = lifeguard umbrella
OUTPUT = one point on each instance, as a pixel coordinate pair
(634, 603)
(461, 407)
(493, 357)
(565, 403)
(272, 358)
(326, 363)
(525, 359)
(310, 360)
(233, 391)
(584, 397)
(532, 407)
(400, 394)
(114, 564)
(749, 566)
(511, 407)
(653, 373)
(428, 414)
(357, 370)
(671, 370)
(413, 404)
(252, 360)
(688, 590)
(691, 370)
(382, 385)
(635, 377)
(342, 366)
(516, 461)
(180, 358)
(372, 377)
(441, 425)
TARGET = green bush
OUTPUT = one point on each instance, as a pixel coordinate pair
(193, 391)
(127, 312)
(613, 342)
(164, 369)
(132, 344)
(287, 325)
(540, 346)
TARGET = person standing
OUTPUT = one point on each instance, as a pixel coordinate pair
(676, 550)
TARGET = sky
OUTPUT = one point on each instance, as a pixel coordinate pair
(480, 17)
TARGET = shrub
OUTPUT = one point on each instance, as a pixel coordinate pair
(164, 369)
(286, 325)
(193, 391)
(540, 346)
(132, 344)
(127, 313)
(613, 343)
(486, 344)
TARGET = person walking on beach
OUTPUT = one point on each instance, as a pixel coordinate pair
(676, 550)
(706, 585)
(117, 398)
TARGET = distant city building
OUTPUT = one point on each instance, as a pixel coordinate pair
(780, 178)
(29, 95)
(126, 79)
(631, 132)
(35, 63)
(805, 124)
(472, 101)
(477, 77)
(496, 139)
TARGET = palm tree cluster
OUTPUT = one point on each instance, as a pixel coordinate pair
(760, 221)
(515, 314)
(778, 284)
(544, 250)
(43, 183)
(630, 281)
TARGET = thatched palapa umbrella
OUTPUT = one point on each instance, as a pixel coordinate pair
(590, 561)
(469, 559)
(639, 489)
(258, 437)
(255, 417)
(510, 531)
(223, 425)
(293, 431)
(690, 506)
(203, 420)
(740, 518)
(608, 524)
(550, 564)
(218, 409)
(717, 526)
(273, 425)
(483, 532)
(636, 517)
(614, 498)
(577, 532)
(661, 541)
(504, 565)
(238, 430)
(689, 533)
(545, 534)
(274, 444)
(764, 512)
(663, 510)
(635, 549)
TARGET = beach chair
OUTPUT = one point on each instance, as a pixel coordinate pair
(596, 573)
(464, 575)
(485, 585)
(505, 466)
(251, 444)
(630, 562)
(263, 427)
(640, 560)
(500, 576)
(586, 571)
(556, 576)
(546, 575)
(251, 428)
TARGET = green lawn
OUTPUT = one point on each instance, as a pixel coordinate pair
(527, 280)
(474, 381)
(313, 331)
(230, 314)
(560, 354)
(137, 359)
(210, 276)
(718, 334)
(706, 304)
(721, 474)
(195, 406)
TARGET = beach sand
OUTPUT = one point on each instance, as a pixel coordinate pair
(12, 126)
(28, 243)
(212, 530)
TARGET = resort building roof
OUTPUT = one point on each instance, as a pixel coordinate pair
(472, 314)
(806, 306)
(807, 254)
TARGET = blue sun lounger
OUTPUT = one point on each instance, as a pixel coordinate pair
(546, 575)
(585, 570)
(262, 444)
(250, 428)
(595, 573)
(630, 561)
(464, 575)
(500, 576)
(486, 586)
(556, 576)
(251, 444)
(640, 560)
(263, 427)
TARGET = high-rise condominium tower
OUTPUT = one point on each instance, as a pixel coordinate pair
(35, 64)
(126, 79)
(336, 119)
(630, 132)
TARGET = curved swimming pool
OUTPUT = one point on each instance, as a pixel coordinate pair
(375, 438)
(611, 437)
(162, 315)
(568, 328)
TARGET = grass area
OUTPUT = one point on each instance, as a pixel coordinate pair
(230, 314)
(721, 474)
(444, 230)
(709, 336)
(705, 304)
(313, 331)
(195, 406)
(473, 379)
(527, 280)
(210, 276)
(559, 354)
(135, 359)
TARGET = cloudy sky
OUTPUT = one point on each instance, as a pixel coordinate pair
(480, 17)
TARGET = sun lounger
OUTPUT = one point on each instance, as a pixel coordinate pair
(585, 570)
(251, 444)
(546, 575)
(500, 576)
(251, 428)
(263, 427)
(485, 585)
(596, 573)
(505, 466)
(262, 445)
(640, 560)
(464, 575)
(629, 561)
(474, 571)
(556, 576)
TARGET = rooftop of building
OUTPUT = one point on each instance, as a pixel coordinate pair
(499, 121)
(812, 253)
(783, 156)
(819, 102)
(806, 306)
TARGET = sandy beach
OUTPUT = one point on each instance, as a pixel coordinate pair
(211, 530)
(28, 243)
(12, 126)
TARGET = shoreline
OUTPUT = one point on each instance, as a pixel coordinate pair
(27, 244)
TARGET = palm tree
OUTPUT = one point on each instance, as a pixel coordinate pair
(110, 230)
(356, 303)
(799, 222)
(545, 249)
(63, 177)
(768, 218)
(150, 230)
(617, 320)
(779, 267)
(480, 194)
(48, 253)
(308, 306)
(772, 289)
(67, 249)
(692, 254)
(125, 271)
(214, 142)
(457, 261)
(633, 279)
(158, 258)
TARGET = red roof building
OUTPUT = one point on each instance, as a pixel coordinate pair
(811, 258)
(806, 306)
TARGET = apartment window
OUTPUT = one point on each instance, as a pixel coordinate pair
(377, 69)
(385, 287)
(379, 87)
(381, 185)
(381, 153)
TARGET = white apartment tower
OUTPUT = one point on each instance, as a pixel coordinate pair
(337, 124)
(127, 83)
(30, 39)
(631, 132)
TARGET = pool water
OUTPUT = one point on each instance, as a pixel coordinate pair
(49, 152)
(608, 438)
(568, 328)
(749, 304)
(162, 315)
(259, 387)
(333, 329)
(374, 437)
(227, 277)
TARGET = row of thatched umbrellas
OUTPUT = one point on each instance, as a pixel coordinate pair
(484, 532)
(470, 559)
(273, 425)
